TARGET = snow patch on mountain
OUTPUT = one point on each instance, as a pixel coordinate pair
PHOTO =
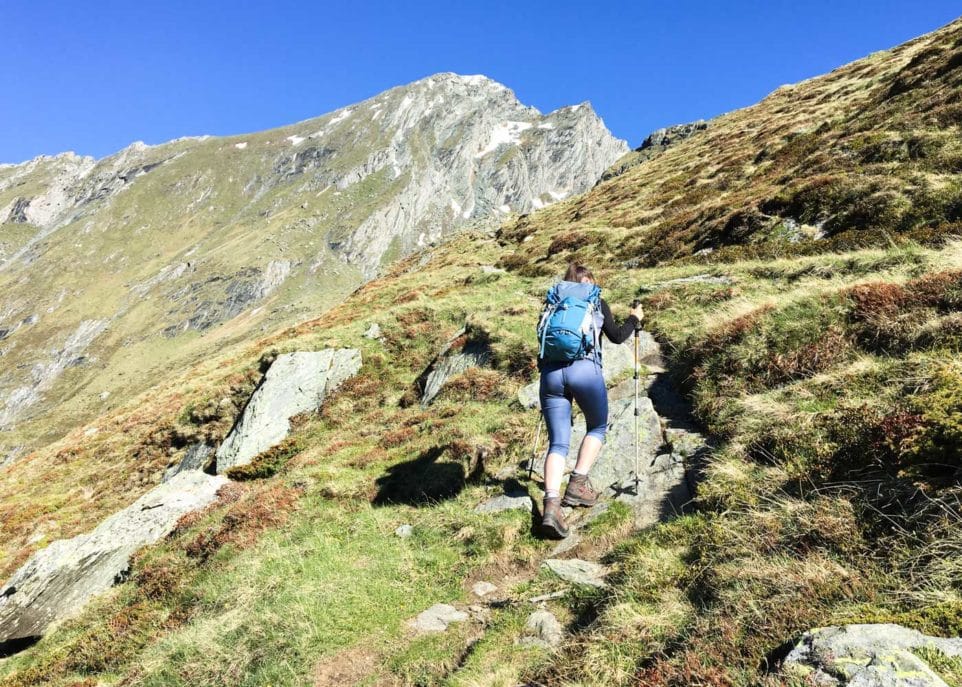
(505, 133)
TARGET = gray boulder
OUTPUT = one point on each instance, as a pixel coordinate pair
(577, 571)
(457, 357)
(483, 588)
(295, 383)
(59, 580)
(505, 502)
(621, 358)
(437, 618)
(528, 395)
(876, 655)
(542, 629)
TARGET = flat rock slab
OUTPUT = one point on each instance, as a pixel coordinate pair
(618, 359)
(661, 491)
(295, 383)
(617, 460)
(542, 629)
(60, 579)
(568, 543)
(577, 571)
(505, 502)
(872, 655)
(437, 618)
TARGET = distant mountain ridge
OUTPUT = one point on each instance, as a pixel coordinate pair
(135, 256)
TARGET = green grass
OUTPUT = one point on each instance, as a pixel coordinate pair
(274, 604)
(306, 593)
(949, 668)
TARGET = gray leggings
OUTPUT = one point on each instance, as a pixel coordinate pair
(582, 382)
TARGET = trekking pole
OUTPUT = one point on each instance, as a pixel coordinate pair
(534, 450)
(635, 304)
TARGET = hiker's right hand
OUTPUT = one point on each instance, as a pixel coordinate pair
(637, 311)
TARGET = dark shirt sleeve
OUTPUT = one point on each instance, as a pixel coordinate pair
(615, 333)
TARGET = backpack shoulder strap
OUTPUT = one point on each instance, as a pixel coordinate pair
(597, 320)
(551, 298)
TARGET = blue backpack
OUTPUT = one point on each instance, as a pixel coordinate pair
(570, 323)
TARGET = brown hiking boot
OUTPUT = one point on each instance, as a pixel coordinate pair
(579, 492)
(553, 522)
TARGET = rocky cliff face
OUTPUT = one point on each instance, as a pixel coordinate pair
(113, 271)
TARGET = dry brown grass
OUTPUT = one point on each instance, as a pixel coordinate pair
(251, 512)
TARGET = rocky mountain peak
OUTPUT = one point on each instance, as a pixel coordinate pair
(176, 239)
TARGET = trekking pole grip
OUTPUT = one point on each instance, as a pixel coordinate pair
(634, 304)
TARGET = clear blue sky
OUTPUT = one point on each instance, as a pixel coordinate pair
(95, 76)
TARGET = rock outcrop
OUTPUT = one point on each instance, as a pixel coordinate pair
(59, 580)
(617, 459)
(875, 655)
(294, 383)
(654, 144)
(460, 354)
(196, 457)
(669, 135)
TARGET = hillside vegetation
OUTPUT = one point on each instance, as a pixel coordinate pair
(818, 341)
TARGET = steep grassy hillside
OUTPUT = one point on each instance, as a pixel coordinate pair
(826, 369)
(864, 156)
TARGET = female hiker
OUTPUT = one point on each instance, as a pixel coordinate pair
(571, 370)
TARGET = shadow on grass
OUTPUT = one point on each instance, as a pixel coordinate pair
(425, 480)
(15, 646)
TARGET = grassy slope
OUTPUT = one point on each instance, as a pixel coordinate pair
(83, 273)
(864, 156)
(829, 378)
